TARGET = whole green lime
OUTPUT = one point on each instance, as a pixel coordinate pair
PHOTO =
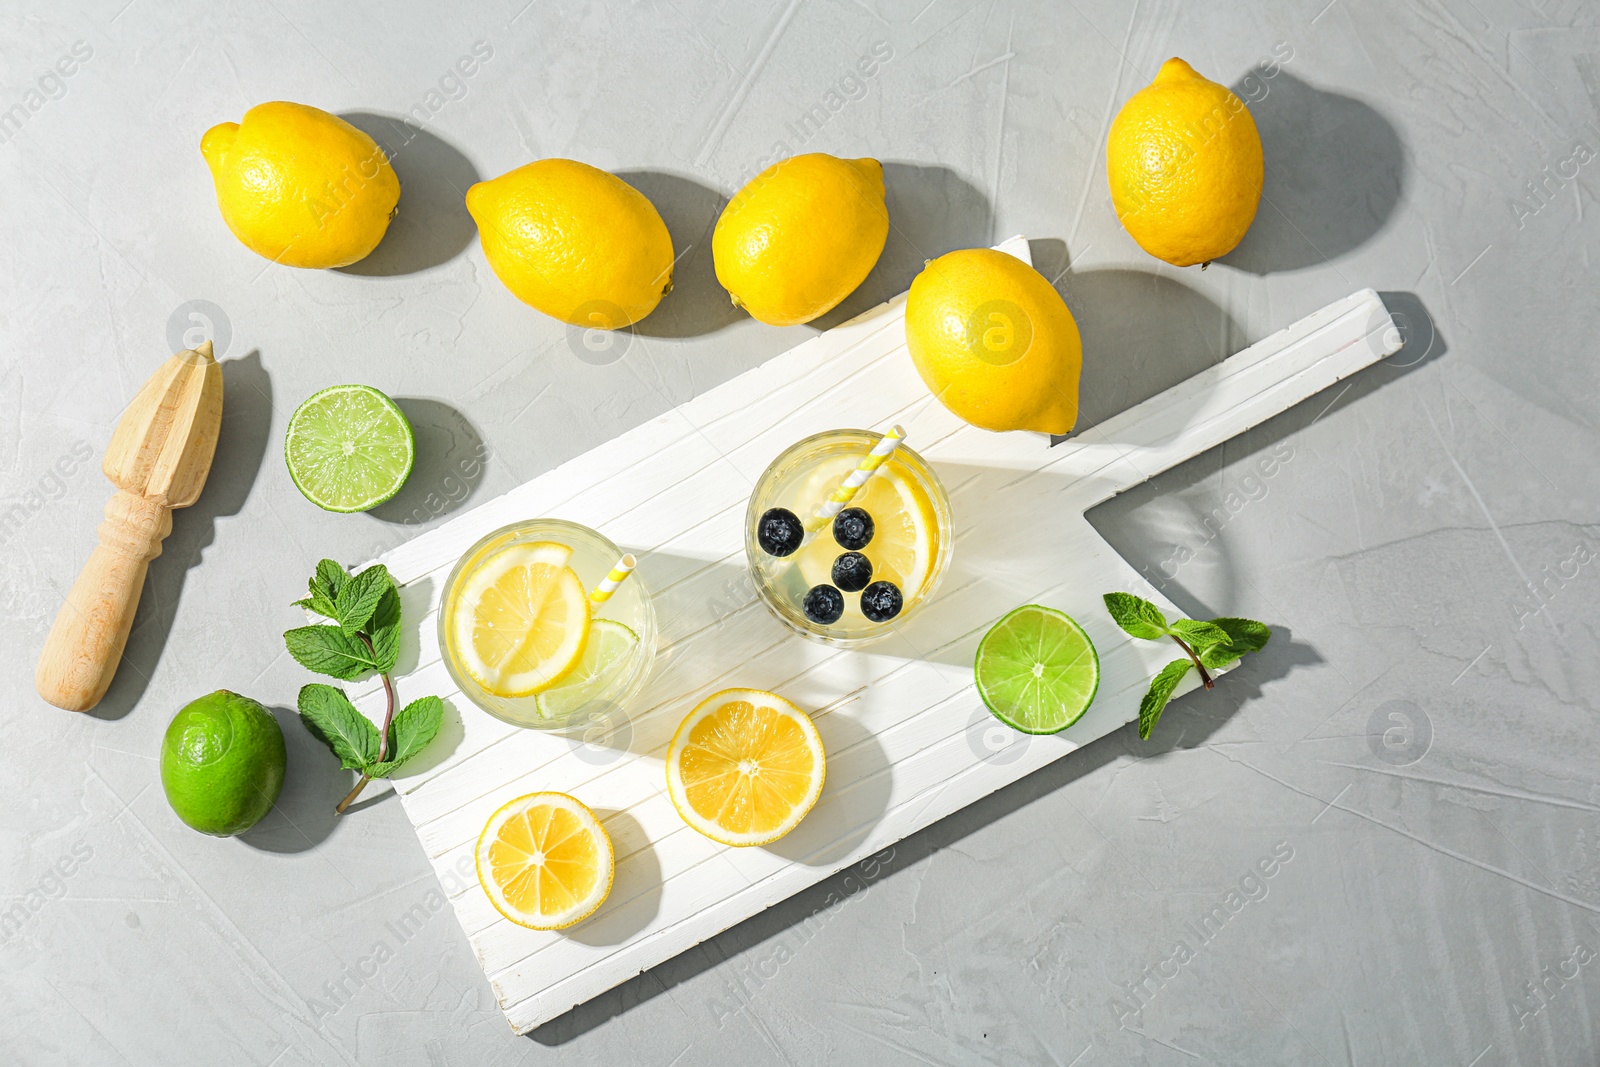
(222, 763)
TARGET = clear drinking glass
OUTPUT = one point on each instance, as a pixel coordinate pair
(910, 546)
(611, 668)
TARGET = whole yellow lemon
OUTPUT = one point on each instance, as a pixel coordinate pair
(581, 245)
(1184, 160)
(300, 186)
(801, 236)
(995, 342)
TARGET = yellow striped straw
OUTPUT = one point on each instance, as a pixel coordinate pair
(619, 574)
(850, 486)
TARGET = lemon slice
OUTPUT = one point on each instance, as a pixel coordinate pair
(521, 618)
(904, 544)
(745, 767)
(545, 861)
(608, 649)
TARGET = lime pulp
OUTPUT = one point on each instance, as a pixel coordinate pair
(1037, 670)
(349, 448)
(607, 649)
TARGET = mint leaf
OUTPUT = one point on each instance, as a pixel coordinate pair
(329, 580)
(1246, 635)
(1136, 615)
(329, 650)
(1200, 635)
(1155, 701)
(334, 721)
(359, 597)
(319, 604)
(416, 725)
(384, 629)
(1219, 656)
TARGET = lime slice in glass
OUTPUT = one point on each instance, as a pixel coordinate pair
(1037, 670)
(605, 654)
(349, 448)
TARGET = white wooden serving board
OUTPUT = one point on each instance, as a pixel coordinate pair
(908, 740)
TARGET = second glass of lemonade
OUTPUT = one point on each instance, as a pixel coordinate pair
(533, 633)
(849, 580)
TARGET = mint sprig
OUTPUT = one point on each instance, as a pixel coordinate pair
(364, 637)
(1207, 645)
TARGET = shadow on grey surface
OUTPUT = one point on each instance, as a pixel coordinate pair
(698, 304)
(241, 443)
(1192, 719)
(312, 784)
(432, 225)
(1156, 529)
(450, 464)
(1142, 334)
(932, 210)
(1189, 722)
(1335, 170)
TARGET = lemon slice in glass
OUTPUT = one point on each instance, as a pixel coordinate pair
(904, 543)
(520, 622)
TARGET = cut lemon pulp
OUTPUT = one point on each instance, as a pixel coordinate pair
(905, 540)
(745, 767)
(545, 861)
(521, 618)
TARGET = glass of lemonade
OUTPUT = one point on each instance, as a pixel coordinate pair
(850, 580)
(525, 637)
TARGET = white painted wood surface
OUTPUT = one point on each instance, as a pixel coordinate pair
(908, 740)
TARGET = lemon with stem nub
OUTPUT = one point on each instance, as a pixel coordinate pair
(581, 245)
(1185, 165)
(300, 186)
(801, 236)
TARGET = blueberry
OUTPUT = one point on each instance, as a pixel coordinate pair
(852, 571)
(780, 531)
(881, 601)
(825, 604)
(852, 528)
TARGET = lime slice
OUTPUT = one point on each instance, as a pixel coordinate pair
(608, 649)
(1037, 670)
(349, 448)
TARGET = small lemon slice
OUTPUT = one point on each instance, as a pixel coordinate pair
(745, 767)
(521, 619)
(545, 861)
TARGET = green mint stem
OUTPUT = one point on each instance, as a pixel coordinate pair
(350, 797)
(1204, 677)
(383, 735)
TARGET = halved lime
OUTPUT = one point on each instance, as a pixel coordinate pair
(607, 650)
(349, 448)
(1037, 670)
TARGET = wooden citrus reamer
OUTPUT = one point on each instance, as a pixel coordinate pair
(158, 458)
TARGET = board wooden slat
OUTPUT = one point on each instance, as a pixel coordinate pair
(908, 741)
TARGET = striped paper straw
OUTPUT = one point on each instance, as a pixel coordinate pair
(608, 585)
(850, 486)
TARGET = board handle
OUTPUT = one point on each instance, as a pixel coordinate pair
(1226, 399)
(81, 654)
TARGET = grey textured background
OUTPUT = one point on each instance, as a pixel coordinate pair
(1418, 736)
